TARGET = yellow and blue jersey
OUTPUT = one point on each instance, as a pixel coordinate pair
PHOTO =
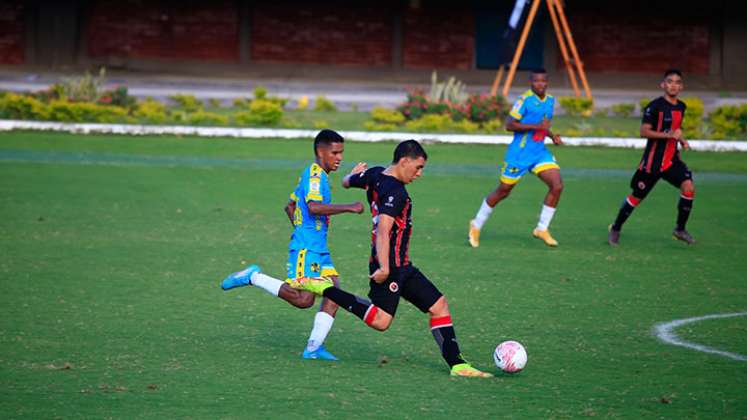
(310, 231)
(530, 109)
(527, 152)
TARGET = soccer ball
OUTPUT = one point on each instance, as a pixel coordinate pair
(510, 356)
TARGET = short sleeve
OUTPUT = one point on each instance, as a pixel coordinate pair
(315, 187)
(649, 114)
(393, 202)
(517, 111)
(360, 180)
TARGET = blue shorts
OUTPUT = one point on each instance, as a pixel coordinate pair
(304, 263)
(513, 170)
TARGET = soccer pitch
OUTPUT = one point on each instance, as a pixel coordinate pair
(112, 249)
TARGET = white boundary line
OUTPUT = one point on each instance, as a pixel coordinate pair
(665, 333)
(366, 136)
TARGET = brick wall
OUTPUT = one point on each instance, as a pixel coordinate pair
(11, 33)
(322, 33)
(638, 44)
(438, 36)
(143, 29)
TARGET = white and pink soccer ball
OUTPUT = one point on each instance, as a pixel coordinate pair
(510, 356)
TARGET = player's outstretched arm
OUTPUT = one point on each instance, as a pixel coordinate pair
(383, 230)
(360, 167)
(290, 210)
(319, 209)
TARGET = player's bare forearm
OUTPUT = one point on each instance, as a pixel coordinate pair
(319, 209)
(383, 230)
(290, 210)
(516, 126)
(648, 132)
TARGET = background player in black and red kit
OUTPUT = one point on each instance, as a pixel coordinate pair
(662, 126)
(391, 271)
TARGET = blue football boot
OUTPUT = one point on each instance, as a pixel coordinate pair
(321, 354)
(241, 278)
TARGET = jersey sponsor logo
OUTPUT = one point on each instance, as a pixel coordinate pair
(393, 287)
(314, 184)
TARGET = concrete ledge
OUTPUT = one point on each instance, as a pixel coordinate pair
(366, 136)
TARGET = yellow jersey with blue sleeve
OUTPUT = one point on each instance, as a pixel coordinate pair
(527, 151)
(310, 231)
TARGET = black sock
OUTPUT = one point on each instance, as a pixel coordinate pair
(683, 212)
(348, 301)
(625, 211)
(443, 332)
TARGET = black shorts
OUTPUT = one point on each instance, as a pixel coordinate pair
(407, 282)
(643, 182)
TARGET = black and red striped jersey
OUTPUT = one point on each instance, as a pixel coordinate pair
(662, 116)
(387, 195)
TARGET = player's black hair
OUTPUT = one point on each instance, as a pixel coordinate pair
(668, 72)
(327, 137)
(409, 148)
(538, 70)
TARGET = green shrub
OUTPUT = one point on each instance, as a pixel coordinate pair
(642, 104)
(82, 89)
(118, 96)
(692, 125)
(320, 124)
(623, 110)
(728, 121)
(260, 92)
(382, 115)
(465, 126)
(151, 111)
(481, 108)
(430, 122)
(22, 107)
(206, 118)
(65, 111)
(188, 103)
(323, 104)
(574, 106)
(494, 126)
(374, 126)
(241, 103)
(214, 103)
(261, 112)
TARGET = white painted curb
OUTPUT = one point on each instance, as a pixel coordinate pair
(367, 136)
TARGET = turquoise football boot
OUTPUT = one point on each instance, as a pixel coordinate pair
(241, 278)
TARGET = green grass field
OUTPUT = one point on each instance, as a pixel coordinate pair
(112, 248)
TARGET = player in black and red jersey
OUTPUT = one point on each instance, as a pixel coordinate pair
(391, 271)
(662, 126)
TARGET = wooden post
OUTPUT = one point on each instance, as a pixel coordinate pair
(574, 52)
(497, 81)
(551, 4)
(520, 47)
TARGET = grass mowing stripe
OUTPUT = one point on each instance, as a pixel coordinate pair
(116, 159)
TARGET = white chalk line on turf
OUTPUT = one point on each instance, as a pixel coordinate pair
(665, 333)
(363, 136)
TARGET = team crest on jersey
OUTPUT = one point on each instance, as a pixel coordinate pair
(393, 287)
(315, 267)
